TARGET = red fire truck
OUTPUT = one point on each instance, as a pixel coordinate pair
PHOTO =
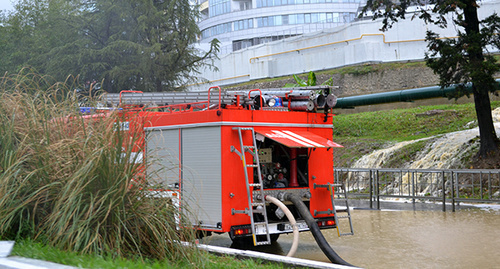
(221, 154)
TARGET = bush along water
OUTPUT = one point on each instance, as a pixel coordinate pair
(66, 180)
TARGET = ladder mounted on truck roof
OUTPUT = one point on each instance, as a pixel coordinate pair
(308, 98)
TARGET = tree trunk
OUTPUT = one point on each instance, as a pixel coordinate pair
(159, 85)
(107, 85)
(487, 135)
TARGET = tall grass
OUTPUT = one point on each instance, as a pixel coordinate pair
(65, 180)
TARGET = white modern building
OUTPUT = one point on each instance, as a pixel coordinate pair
(239, 24)
(353, 43)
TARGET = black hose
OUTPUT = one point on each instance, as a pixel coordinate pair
(314, 228)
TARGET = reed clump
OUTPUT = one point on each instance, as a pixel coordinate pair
(65, 180)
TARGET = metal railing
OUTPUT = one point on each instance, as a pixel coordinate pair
(441, 185)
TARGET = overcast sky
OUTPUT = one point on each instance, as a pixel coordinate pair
(5, 4)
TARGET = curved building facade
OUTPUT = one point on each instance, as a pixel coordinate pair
(238, 24)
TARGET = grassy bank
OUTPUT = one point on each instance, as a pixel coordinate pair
(364, 132)
(37, 250)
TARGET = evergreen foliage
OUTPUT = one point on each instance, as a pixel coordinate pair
(139, 44)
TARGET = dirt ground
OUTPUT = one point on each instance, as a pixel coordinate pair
(492, 162)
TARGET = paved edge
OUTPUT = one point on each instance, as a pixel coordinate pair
(27, 263)
(297, 262)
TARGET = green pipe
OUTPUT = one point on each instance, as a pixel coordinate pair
(398, 96)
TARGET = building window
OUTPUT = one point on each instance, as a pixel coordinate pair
(241, 44)
(243, 24)
(245, 5)
(307, 18)
(300, 18)
(271, 3)
(284, 18)
(278, 20)
(323, 17)
(329, 17)
(335, 17)
(346, 17)
(314, 18)
(218, 7)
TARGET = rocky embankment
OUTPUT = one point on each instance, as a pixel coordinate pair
(358, 80)
(440, 152)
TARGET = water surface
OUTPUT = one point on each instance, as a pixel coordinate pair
(469, 238)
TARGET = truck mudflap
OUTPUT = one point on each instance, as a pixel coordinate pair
(284, 227)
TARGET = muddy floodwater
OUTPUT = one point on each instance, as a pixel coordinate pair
(468, 238)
